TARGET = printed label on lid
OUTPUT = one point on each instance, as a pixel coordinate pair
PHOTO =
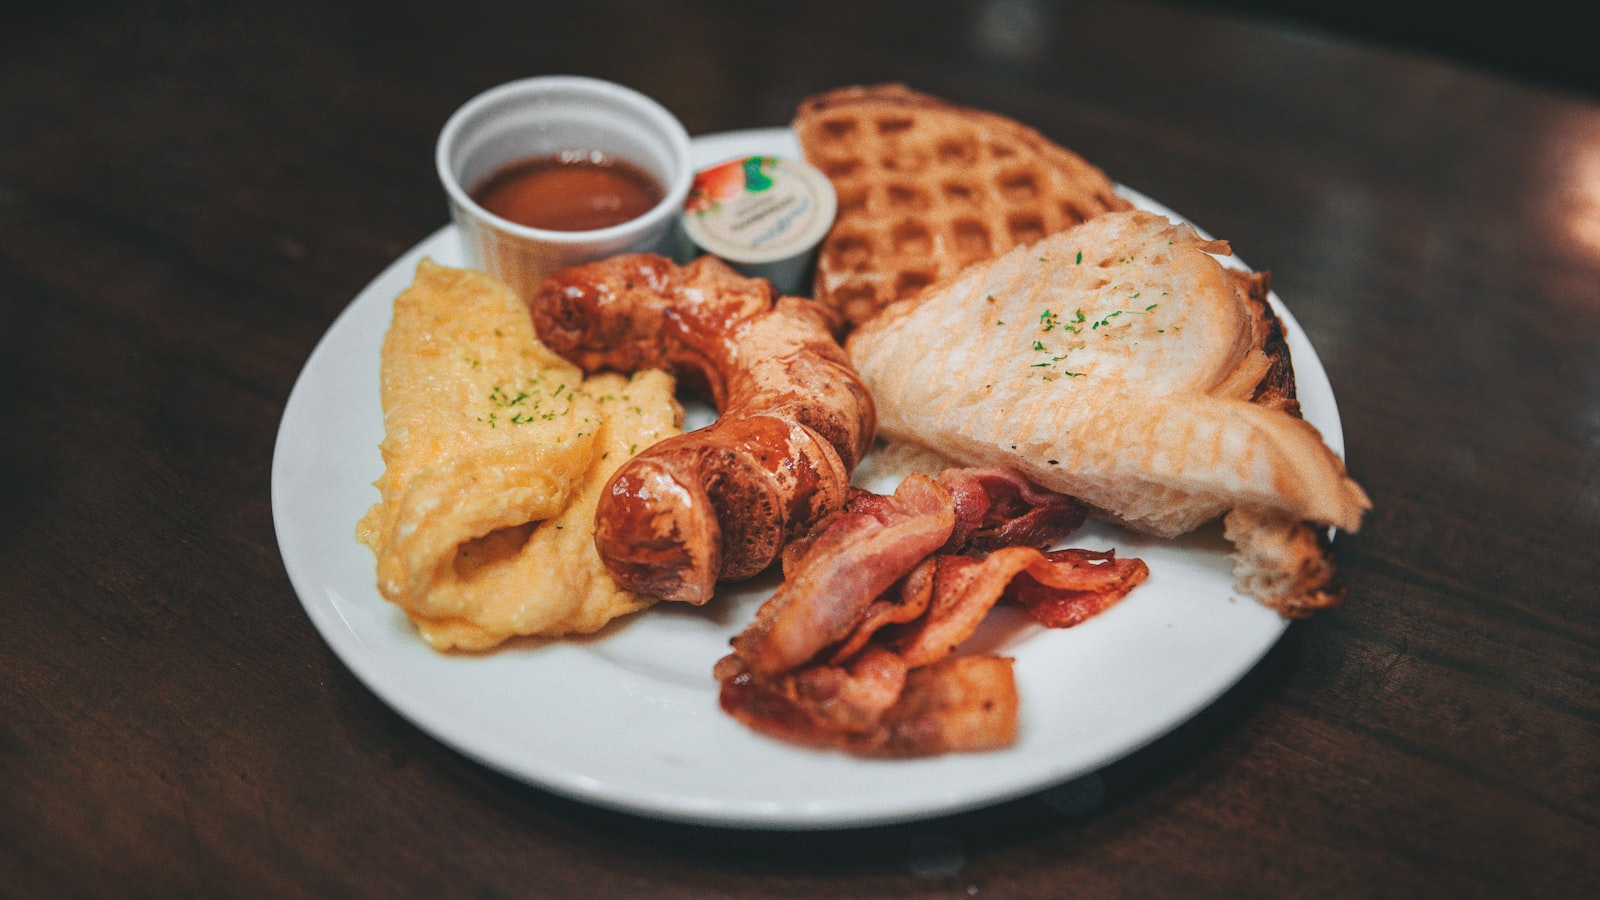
(759, 209)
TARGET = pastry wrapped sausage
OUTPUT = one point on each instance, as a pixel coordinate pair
(718, 503)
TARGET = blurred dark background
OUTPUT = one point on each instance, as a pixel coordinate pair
(1539, 42)
(1542, 42)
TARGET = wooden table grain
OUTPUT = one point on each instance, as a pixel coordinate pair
(190, 193)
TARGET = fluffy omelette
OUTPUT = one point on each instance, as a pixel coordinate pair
(495, 452)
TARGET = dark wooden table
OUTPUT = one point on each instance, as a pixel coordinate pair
(190, 193)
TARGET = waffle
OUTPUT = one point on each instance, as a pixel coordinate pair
(926, 187)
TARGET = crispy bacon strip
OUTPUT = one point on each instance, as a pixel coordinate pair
(904, 602)
(998, 507)
(874, 706)
(1070, 586)
(964, 704)
(830, 571)
(1059, 589)
(964, 590)
(816, 704)
(856, 558)
(855, 649)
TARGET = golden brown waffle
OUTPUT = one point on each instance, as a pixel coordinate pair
(926, 187)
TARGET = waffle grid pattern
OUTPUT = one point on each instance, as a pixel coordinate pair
(926, 188)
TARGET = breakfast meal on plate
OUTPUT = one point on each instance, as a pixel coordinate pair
(993, 325)
(718, 503)
(925, 187)
(1120, 363)
(495, 451)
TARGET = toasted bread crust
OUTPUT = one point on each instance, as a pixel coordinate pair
(1276, 388)
(1284, 563)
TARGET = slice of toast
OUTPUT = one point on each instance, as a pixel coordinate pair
(1120, 363)
(926, 187)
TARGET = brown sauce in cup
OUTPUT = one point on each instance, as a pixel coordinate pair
(570, 191)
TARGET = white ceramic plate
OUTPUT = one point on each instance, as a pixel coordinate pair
(629, 719)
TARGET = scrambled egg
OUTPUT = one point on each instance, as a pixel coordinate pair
(495, 453)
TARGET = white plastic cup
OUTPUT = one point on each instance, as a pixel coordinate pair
(543, 116)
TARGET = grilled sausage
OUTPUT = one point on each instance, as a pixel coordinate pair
(718, 503)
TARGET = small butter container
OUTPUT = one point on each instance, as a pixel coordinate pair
(764, 215)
